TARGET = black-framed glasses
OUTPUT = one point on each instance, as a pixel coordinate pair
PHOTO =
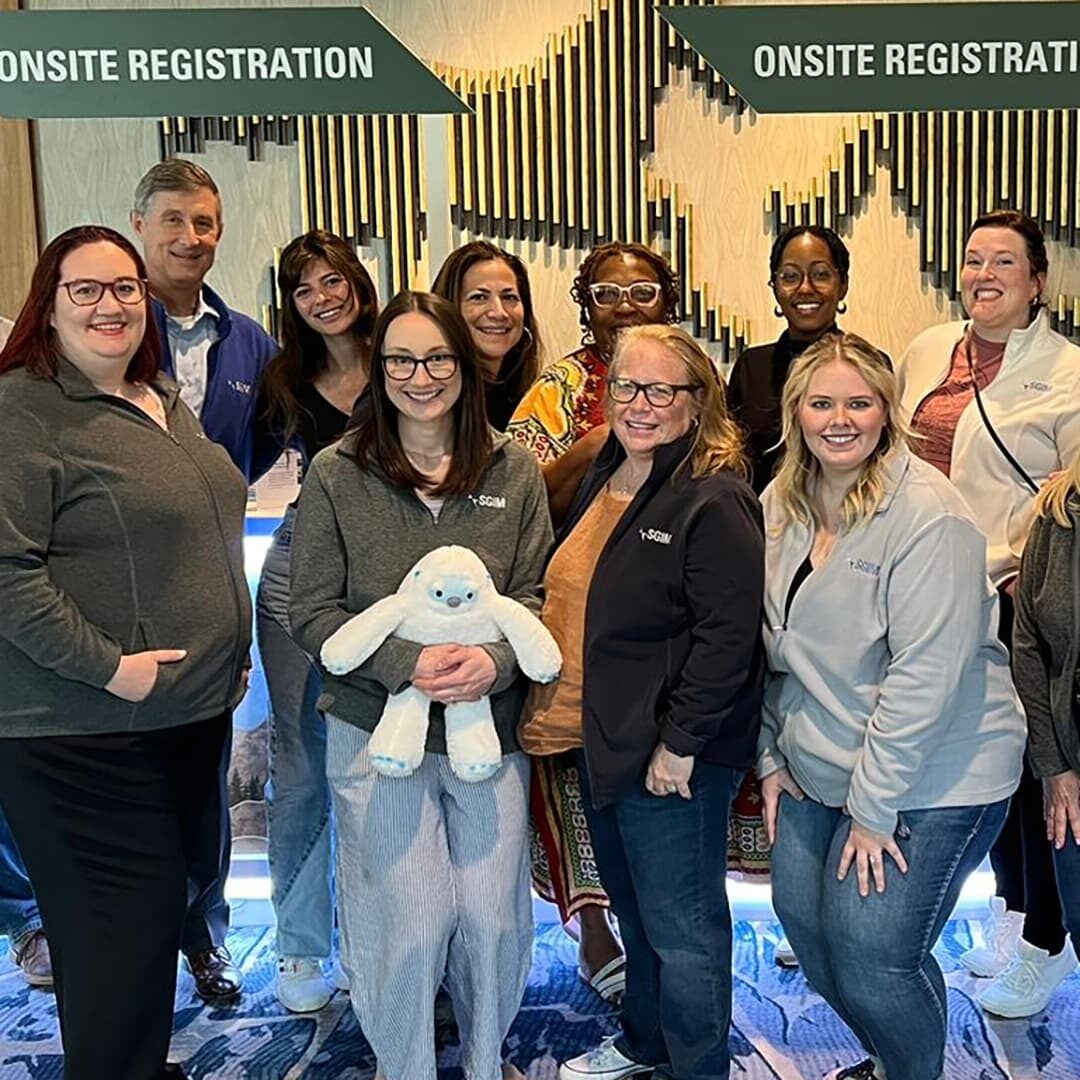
(611, 294)
(85, 292)
(658, 394)
(401, 367)
(821, 275)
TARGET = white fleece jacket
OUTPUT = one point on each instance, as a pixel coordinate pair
(888, 689)
(1034, 405)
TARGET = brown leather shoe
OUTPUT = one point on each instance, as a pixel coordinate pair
(215, 974)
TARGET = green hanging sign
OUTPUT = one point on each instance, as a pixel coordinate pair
(210, 62)
(891, 57)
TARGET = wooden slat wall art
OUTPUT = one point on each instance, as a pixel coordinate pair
(946, 169)
(556, 152)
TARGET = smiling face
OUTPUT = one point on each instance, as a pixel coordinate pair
(842, 419)
(606, 322)
(420, 398)
(808, 287)
(491, 305)
(180, 232)
(325, 300)
(99, 339)
(997, 283)
(639, 426)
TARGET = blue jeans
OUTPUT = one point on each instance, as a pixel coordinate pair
(663, 863)
(297, 794)
(18, 908)
(1067, 868)
(869, 957)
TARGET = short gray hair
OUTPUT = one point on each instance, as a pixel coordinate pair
(173, 174)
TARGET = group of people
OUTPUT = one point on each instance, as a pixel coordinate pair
(842, 652)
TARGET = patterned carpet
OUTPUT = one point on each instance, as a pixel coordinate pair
(781, 1029)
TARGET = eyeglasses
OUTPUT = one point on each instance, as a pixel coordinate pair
(821, 276)
(658, 394)
(611, 294)
(86, 293)
(401, 368)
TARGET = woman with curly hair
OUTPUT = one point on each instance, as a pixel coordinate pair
(561, 419)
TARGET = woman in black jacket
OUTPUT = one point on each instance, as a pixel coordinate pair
(1046, 649)
(654, 594)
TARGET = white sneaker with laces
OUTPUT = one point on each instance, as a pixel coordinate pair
(1001, 931)
(1025, 987)
(301, 985)
(605, 1062)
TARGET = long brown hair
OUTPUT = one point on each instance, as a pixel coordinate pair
(303, 356)
(32, 343)
(373, 429)
(521, 365)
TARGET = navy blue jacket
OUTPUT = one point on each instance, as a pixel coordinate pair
(235, 364)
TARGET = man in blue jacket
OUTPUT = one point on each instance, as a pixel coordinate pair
(216, 356)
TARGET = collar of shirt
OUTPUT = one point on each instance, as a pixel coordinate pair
(184, 324)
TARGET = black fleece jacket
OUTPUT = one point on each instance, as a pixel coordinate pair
(672, 647)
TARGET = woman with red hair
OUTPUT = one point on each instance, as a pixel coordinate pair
(124, 630)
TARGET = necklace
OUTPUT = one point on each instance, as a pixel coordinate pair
(629, 486)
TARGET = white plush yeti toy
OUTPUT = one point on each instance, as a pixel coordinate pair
(447, 597)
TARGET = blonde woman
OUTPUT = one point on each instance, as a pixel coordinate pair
(654, 594)
(892, 736)
(1046, 645)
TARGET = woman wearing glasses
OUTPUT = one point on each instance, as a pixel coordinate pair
(562, 420)
(307, 394)
(808, 275)
(124, 632)
(491, 290)
(433, 872)
(996, 401)
(660, 694)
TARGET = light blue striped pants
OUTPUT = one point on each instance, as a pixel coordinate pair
(433, 879)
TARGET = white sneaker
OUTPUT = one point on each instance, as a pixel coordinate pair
(1025, 987)
(301, 985)
(605, 1062)
(1001, 931)
(784, 955)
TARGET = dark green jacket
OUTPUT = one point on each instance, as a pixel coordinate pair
(357, 535)
(1046, 643)
(115, 537)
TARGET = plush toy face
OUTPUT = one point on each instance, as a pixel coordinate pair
(449, 577)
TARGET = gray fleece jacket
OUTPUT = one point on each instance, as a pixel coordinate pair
(357, 535)
(889, 689)
(1046, 643)
(115, 537)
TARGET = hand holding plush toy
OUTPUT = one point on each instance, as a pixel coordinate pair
(448, 597)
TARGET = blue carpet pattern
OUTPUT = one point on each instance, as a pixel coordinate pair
(781, 1029)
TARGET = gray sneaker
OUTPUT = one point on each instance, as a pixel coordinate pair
(30, 953)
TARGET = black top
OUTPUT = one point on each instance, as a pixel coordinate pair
(672, 647)
(320, 423)
(753, 396)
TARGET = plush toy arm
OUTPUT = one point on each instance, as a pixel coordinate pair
(347, 648)
(537, 653)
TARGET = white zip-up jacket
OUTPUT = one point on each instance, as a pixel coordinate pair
(888, 688)
(1033, 403)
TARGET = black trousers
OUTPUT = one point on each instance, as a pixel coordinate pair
(106, 824)
(1022, 857)
(209, 856)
